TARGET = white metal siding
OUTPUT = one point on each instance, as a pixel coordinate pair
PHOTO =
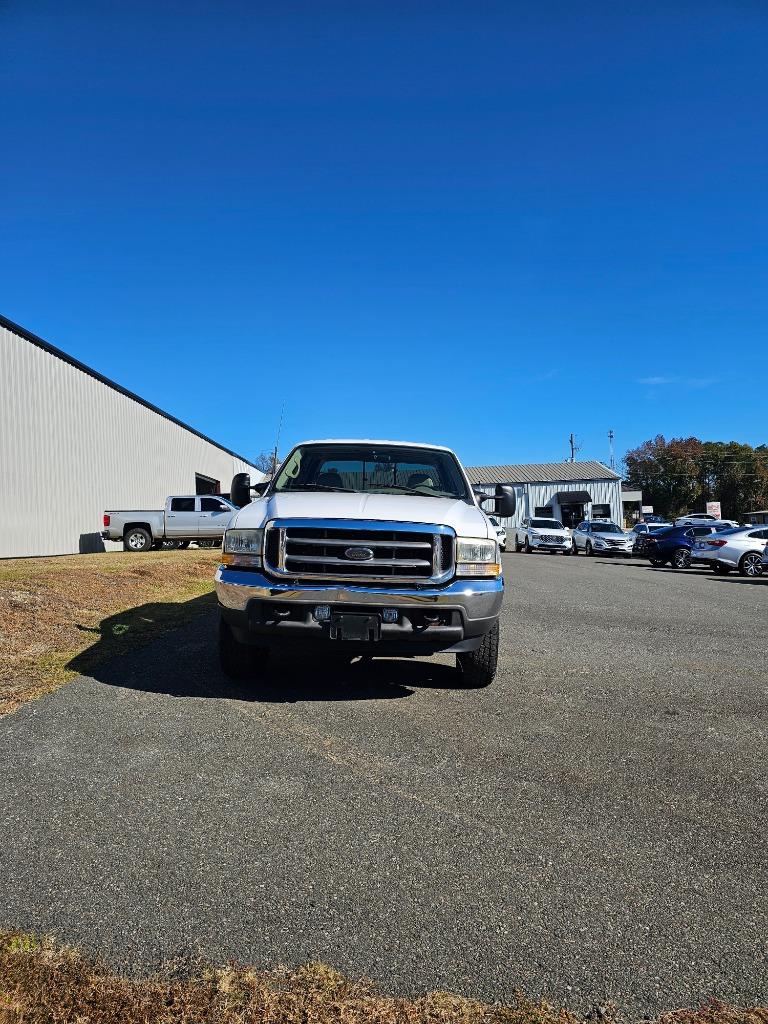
(533, 496)
(71, 447)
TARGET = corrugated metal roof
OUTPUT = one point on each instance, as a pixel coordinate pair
(540, 473)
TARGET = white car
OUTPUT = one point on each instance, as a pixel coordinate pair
(599, 537)
(501, 532)
(704, 519)
(743, 548)
(543, 535)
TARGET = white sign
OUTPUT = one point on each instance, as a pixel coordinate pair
(646, 508)
(713, 509)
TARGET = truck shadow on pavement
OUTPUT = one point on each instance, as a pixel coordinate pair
(183, 662)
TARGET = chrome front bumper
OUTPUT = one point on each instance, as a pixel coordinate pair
(478, 599)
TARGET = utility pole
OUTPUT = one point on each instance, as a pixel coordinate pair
(610, 448)
(574, 447)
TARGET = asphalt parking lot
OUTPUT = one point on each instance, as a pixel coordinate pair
(589, 828)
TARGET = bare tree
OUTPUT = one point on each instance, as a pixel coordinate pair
(264, 462)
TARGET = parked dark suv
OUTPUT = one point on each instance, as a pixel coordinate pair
(675, 545)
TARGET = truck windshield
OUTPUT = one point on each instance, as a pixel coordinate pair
(374, 469)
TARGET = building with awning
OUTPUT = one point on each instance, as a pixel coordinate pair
(569, 491)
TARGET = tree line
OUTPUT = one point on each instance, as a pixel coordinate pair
(682, 474)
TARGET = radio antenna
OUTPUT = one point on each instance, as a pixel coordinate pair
(277, 440)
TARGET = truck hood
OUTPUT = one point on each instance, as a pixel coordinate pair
(466, 520)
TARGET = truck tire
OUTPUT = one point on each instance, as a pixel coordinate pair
(137, 539)
(238, 661)
(478, 668)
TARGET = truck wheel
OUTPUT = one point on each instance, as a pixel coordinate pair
(478, 668)
(238, 661)
(137, 539)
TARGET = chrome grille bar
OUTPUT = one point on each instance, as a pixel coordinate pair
(318, 549)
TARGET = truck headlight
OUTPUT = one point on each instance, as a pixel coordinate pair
(242, 547)
(477, 557)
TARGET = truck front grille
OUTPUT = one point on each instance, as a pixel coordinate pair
(358, 551)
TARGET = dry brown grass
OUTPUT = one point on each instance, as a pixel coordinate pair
(93, 606)
(42, 983)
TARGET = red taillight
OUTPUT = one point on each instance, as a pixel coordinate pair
(717, 543)
(106, 519)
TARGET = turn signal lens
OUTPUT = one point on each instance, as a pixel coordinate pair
(476, 557)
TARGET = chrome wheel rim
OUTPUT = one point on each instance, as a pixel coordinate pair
(681, 560)
(753, 565)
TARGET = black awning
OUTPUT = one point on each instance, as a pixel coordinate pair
(572, 497)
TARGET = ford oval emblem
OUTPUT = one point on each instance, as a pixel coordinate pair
(359, 554)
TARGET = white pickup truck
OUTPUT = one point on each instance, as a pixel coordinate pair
(375, 548)
(185, 518)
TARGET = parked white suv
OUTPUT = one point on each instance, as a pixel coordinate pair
(543, 535)
(599, 537)
(501, 532)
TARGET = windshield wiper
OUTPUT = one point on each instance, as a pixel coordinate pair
(320, 487)
(428, 493)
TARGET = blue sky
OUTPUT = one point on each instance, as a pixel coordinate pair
(483, 224)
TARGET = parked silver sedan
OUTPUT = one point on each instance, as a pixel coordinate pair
(742, 548)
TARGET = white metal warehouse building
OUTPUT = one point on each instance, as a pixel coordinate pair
(73, 443)
(569, 491)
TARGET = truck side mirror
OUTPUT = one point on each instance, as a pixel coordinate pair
(240, 491)
(504, 500)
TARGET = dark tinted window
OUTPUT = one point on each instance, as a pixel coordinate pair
(182, 504)
(373, 469)
(702, 531)
(213, 505)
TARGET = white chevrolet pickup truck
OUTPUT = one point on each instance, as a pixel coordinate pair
(375, 548)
